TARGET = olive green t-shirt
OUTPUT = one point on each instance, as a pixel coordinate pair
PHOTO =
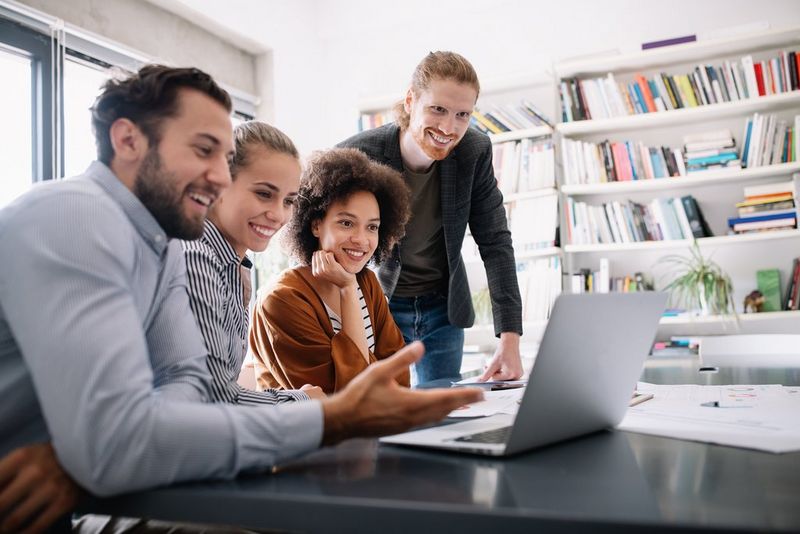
(422, 250)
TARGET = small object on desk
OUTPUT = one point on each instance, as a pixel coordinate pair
(716, 404)
(639, 398)
(493, 384)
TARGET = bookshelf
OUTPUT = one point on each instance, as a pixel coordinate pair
(680, 117)
(711, 177)
(716, 191)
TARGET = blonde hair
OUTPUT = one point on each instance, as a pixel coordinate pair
(256, 134)
(437, 66)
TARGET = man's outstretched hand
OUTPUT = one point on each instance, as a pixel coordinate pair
(373, 404)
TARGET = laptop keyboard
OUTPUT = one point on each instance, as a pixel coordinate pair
(498, 435)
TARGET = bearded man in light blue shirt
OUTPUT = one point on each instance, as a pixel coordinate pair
(99, 351)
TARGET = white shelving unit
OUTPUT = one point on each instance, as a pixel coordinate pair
(683, 183)
(703, 242)
(516, 135)
(716, 191)
(747, 323)
(684, 116)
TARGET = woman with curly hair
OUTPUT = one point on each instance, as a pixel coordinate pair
(326, 320)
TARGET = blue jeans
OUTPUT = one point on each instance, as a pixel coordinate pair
(425, 318)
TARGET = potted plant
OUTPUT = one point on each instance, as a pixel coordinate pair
(700, 283)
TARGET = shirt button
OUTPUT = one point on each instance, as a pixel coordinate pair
(159, 238)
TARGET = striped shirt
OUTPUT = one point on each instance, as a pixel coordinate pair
(100, 354)
(336, 321)
(216, 298)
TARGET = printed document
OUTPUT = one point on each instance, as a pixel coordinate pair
(762, 417)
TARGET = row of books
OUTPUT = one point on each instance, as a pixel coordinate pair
(769, 140)
(766, 207)
(714, 149)
(533, 222)
(524, 165)
(368, 121)
(509, 118)
(604, 97)
(600, 281)
(539, 285)
(585, 162)
(662, 219)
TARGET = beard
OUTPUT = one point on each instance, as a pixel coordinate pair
(155, 187)
(424, 142)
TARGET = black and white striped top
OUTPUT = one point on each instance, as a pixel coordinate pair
(336, 321)
(214, 272)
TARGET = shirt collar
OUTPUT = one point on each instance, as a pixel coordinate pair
(139, 215)
(224, 251)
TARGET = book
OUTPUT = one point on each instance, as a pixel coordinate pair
(765, 225)
(765, 200)
(768, 189)
(768, 207)
(669, 42)
(768, 282)
(762, 216)
(759, 73)
(748, 66)
(697, 222)
(789, 302)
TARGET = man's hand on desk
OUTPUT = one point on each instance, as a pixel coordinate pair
(373, 404)
(507, 362)
(34, 489)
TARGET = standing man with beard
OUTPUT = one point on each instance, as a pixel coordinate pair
(448, 167)
(99, 351)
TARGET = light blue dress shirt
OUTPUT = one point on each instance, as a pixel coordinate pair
(99, 351)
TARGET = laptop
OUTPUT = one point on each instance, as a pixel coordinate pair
(589, 361)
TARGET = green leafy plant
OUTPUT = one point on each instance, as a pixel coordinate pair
(700, 283)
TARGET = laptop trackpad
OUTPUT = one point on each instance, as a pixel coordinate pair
(449, 433)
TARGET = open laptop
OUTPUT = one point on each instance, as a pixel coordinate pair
(589, 360)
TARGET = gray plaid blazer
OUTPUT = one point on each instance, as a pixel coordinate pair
(469, 195)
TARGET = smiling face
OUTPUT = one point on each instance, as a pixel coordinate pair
(350, 230)
(180, 178)
(260, 200)
(439, 116)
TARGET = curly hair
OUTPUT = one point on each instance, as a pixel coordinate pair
(335, 175)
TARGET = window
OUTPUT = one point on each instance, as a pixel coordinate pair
(82, 82)
(16, 135)
(26, 140)
(40, 75)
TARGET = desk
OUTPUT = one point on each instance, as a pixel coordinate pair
(608, 482)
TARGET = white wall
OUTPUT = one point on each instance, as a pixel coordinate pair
(328, 56)
(159, 34)
(325, 57)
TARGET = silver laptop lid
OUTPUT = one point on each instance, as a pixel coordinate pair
(587, 366)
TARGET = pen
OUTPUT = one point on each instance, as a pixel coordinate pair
(715, 404)
(639, 398)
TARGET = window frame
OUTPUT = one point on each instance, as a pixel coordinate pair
(31, 33)
(36, 46)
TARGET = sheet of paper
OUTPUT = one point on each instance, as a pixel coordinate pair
(505, 401)
(762, 417)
